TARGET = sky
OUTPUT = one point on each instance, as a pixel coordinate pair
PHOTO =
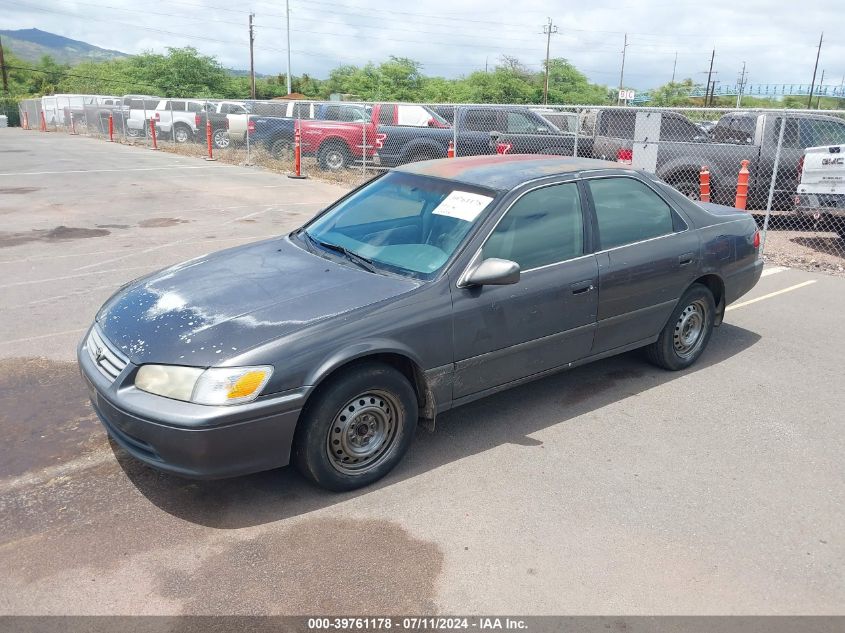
(776, 39)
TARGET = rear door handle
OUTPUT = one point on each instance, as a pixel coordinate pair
(686, 259)
(582, 287)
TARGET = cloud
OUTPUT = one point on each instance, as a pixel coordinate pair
(450, 38)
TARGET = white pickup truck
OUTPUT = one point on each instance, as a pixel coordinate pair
(821, 190)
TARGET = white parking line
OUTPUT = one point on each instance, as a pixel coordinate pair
(770, 295)
(773, 270)
(66, 277)
(99, 171)
(41, 336)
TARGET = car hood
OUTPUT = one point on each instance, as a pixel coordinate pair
(215, 307)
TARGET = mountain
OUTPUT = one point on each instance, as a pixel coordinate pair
(33, 44)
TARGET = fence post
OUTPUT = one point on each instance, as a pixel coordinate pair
(173, 121)
(454, 131)
(704, 184)
(772, 185)
(577, 131)
(742, 186)
(364, 150)
(248, 162)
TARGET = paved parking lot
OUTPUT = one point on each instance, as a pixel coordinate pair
(614, 488)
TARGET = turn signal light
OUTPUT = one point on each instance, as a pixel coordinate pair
(756, 239)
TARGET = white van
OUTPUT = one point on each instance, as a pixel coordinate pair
(821, 190)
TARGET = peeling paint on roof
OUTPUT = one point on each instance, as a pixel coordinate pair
(504, 172)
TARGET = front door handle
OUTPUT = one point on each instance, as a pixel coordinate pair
(582, 287)
(686, 259)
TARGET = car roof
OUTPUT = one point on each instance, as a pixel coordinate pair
(503, 172)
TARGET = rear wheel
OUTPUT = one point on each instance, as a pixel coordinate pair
(134, 132)
(357, 428)
(416, 156)
(333, 157)
(181, 133)
(689, 187)
(687, 332)
(220, 139)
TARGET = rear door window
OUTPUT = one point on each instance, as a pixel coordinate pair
(519, 123)
(480, 120)
(628, 211)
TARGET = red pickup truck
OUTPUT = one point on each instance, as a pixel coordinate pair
(338, 132)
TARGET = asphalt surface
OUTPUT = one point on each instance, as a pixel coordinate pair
(615, 488)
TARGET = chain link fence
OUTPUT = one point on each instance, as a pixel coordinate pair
(796, 195)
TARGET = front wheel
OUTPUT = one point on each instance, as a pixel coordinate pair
(687, 332)
(357, 429)
(182, 133)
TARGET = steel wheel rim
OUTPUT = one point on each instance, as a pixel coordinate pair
(334, 160)
(221, 140)
(363, 433)
(689, 329)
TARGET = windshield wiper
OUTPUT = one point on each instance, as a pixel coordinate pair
(362, 261)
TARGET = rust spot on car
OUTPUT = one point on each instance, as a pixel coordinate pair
(45, 415)
(58, 234)
(160, 223)
(308, 568)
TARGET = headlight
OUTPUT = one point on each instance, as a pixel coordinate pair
(218, 385)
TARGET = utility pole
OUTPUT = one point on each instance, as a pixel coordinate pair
(622, 72)
(819, 101)
(4, 76)
(548, 29)
(251, 59)
(741, 87)
(815, 68)
(674, 67)
(709, 76)
(287, 28)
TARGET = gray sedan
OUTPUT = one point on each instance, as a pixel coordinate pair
(431, 286)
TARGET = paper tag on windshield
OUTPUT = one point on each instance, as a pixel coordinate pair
(462, 205)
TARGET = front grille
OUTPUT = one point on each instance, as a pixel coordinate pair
(108, 360)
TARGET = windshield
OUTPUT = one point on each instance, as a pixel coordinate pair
(403, 222)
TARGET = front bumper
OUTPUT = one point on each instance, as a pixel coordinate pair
(192, 440)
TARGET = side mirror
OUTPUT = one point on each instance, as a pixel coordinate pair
(493, 272)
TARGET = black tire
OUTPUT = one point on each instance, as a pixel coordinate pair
(687, 332)
(688, 187)
(382, 403)
(333, 157)
(182, 133)
(415, 156)
(282, 149)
